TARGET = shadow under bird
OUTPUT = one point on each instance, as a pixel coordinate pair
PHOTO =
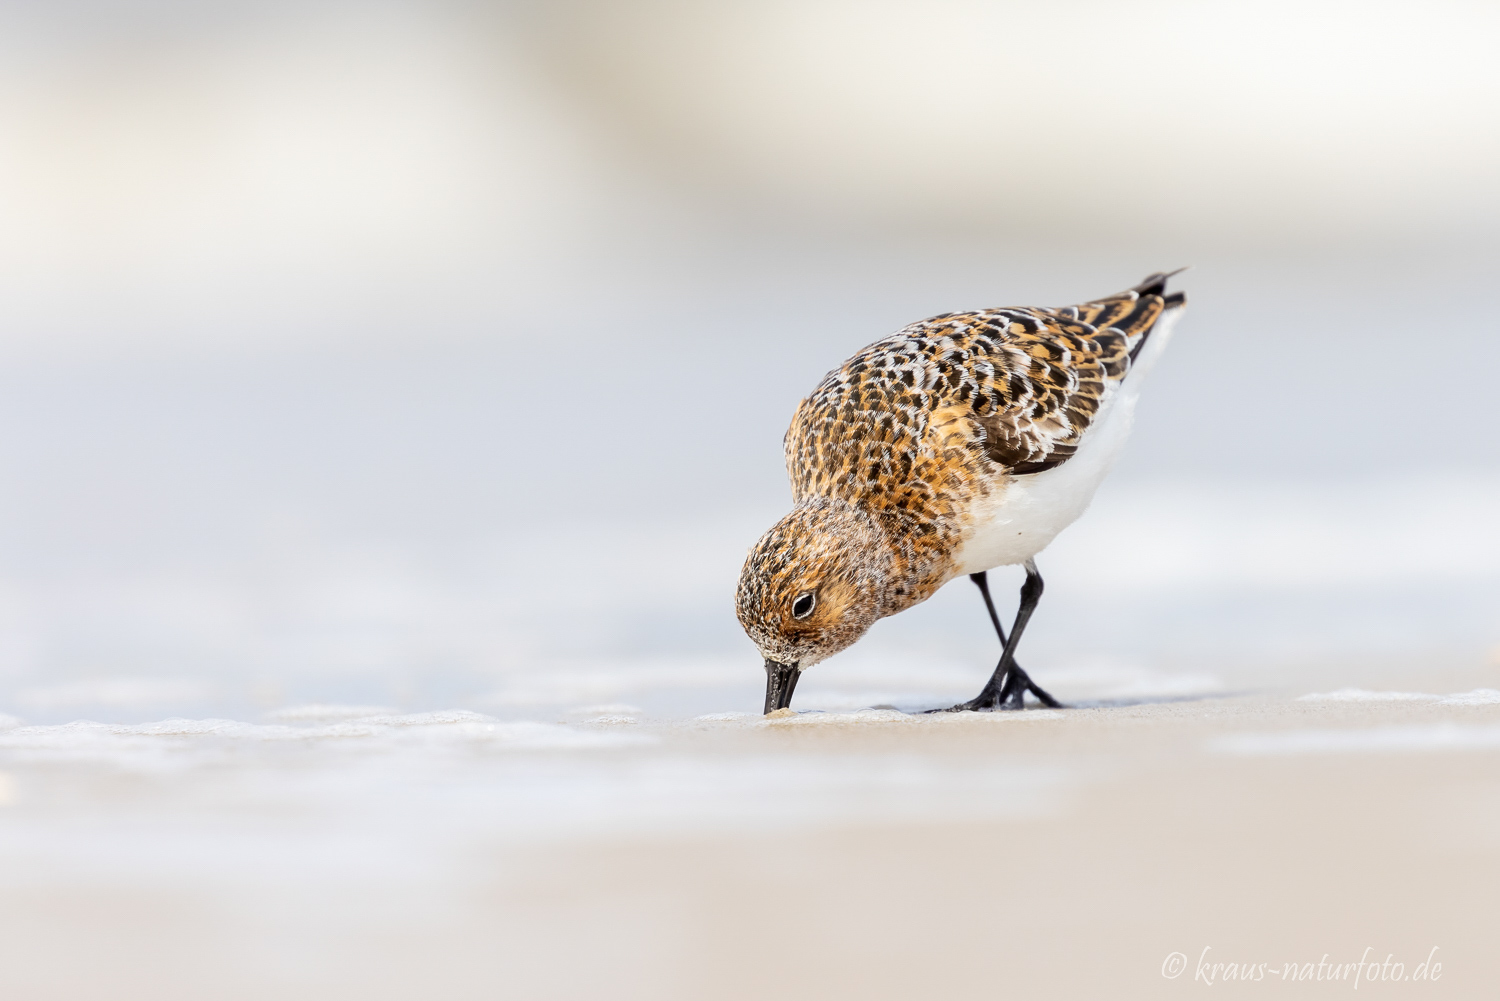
(964, 442)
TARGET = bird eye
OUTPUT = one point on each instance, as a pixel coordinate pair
(803, 606)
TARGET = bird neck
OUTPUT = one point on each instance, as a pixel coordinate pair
(915, 559)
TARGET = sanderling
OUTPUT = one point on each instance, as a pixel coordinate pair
(962, 443)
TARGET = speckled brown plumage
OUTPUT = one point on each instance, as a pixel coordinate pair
(894, 446)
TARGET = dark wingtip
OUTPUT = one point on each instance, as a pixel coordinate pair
(1156, 284)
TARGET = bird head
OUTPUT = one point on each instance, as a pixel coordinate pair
(811, 587)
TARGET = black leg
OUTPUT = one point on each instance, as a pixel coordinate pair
(1017, 684)
(982, 580)
(1009, 684)
(989, 696)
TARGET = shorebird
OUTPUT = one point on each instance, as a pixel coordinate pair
(961, 443)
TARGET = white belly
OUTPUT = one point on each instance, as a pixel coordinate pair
(1023, 516)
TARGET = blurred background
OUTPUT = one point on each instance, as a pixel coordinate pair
(411, 352)
(434, 354)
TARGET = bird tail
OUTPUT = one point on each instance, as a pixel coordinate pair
(1156, 284)
(1145, 352)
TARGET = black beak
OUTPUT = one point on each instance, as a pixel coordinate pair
(781, 680)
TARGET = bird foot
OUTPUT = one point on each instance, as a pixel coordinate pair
(1010, 697)
(1017, 684)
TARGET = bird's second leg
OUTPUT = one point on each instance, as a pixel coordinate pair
(989, 696)
(1009, 684)
(1016, 684)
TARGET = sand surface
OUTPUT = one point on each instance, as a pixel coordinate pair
(332, 852)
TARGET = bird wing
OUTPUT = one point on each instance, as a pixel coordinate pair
(1019, 386)
(1050, 370)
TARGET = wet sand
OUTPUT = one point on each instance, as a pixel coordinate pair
(862, 855)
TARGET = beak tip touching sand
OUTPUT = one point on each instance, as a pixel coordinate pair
(781, 681)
